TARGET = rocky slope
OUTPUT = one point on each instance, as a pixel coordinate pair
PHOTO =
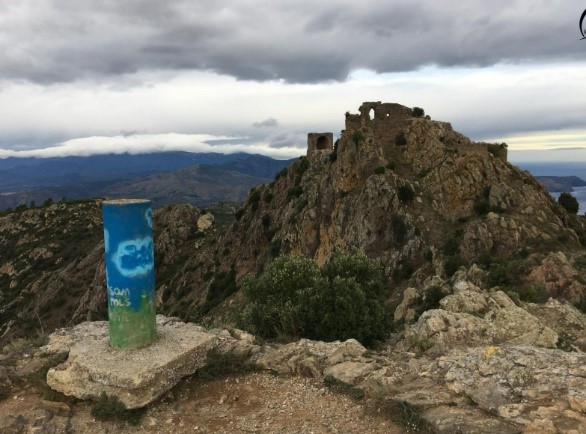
(484, 271)
(412, 192)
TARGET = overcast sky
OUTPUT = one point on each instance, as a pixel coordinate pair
(80, 77)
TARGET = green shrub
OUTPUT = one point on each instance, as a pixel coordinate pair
(294, 298)
(481, 207)
(238, 214)
(569, 202)
(302, 166)
(418, 112)
(295, 191)
(268, 197)
(405, 194)
(379, 170)
(451, 246)
(498, 275)
(391, 165)
(452, 264)
(266, 220)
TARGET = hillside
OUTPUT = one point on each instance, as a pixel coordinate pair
(166, 177)
(483, 273)
(561, 183)
(411, 192)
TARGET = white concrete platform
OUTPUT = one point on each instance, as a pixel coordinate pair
(138, 376)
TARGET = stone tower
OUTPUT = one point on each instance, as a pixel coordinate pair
(319, 142)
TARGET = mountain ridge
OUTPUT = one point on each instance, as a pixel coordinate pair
(39, 179)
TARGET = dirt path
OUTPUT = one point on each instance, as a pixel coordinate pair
(254, 403)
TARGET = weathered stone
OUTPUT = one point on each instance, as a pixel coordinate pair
(577, 400)
(350, 372)
(205, 222)
(450, 420)
(405, 310)
(135, 376)
(465, 301)
(350, 349)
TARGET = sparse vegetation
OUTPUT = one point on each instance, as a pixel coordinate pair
(266, 220)
(452, 264)
(254, 199)
(268, 197)
(295, 192)
(379, 170)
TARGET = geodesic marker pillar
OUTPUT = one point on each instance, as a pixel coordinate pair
(130, 272)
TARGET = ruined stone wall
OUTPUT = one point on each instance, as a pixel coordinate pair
(319, 142)
(382, 121)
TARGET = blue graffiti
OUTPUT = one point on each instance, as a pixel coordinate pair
(134, 258)
(148, 215)
(106, 240)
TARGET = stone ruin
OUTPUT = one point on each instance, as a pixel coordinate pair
(384, 122)
(319, 142)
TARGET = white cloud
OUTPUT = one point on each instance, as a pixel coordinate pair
(142, 143)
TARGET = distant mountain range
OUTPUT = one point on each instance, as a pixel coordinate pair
(197, 179)
(575, 168)
(557, 184)
(177, 177)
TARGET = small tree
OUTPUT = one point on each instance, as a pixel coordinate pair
(569, 202)
(418, 112)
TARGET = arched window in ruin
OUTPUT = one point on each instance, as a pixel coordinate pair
(322, 143)
(371, 114)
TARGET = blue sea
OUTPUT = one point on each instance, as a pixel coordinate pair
(580, 194)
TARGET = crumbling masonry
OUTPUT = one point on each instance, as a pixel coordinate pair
(384, 123)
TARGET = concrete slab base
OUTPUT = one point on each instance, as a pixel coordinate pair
(137, 376)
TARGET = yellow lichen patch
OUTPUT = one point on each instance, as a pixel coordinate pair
(490, 352)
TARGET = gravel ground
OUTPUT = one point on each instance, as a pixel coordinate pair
(253, 403)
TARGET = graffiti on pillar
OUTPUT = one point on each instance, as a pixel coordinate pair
(119, 297)
(130, 274)
(134, 258)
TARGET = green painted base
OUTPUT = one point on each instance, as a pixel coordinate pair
(131, 328)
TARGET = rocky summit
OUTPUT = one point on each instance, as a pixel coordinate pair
(484, 275)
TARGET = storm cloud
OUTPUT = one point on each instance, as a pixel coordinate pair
(301, 41)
